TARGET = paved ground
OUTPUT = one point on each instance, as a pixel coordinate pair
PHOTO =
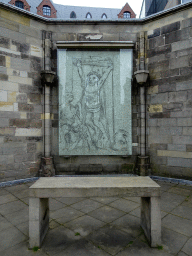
(97, 226)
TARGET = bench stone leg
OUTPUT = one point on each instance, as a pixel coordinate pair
(38, 220)
(151, 219)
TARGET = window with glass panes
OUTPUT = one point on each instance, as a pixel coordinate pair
(126, 15)
(88, 16)
(19, 4)
(46, 10)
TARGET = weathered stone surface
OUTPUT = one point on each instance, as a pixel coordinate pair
(21, 98)
(159, 66)
(182, 162)
(159, 98)
(3, 77)
(177, 36)
(184, 122)
(171, 27)
(189, 148)
(25, 107)
(33, 132)
(187, 23)
(174, 154)
(31, 147)
(170, 72)
(2, 61)
(186, 113)
(159, 139)
(156, 42)
(185, 44)
(182, 140)
(167, 122)
(4, 122)
(28, 89)
(178, 96)
(181, 62)
(173, 107)
(155, 108)
(35, 63)
(152, 90)
(159, 115)
(135, 186)
(7, 131)
(159, 50)
(20, 64)
(177, 147)
(25, 123)
(156, 32)
(34, 98)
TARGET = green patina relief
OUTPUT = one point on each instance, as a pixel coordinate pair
(95, 102)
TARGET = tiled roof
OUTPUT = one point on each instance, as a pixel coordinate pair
(64, 11)
(96, 13)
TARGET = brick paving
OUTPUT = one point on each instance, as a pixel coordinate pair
(97, 226)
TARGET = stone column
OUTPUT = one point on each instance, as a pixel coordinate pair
(140, 76)
(47, 168)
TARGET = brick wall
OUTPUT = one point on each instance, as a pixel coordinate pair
(20, 96)
(169, 60)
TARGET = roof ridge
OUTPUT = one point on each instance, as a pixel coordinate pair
(89, 7)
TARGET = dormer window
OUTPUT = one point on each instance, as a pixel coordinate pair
(19, 4)
(126, 15)
(104, 16)
(73, 15)
(46, 10)
(88, 16)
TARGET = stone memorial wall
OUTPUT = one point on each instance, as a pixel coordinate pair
(95, 107)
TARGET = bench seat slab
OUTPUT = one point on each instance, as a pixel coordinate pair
(143, 187)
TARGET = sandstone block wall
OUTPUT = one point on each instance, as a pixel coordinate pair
(20, 96)
(169, 60)
(167, 53)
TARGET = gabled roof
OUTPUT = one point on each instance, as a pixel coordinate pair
(64, 11)
(126, 8)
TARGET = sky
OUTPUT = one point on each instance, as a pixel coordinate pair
(134, 4)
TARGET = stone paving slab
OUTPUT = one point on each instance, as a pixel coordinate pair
(87, 205)
(65, 214)
(124, 205)
(183, 211)
(111, 239)
(55, 204)
(12, 207)
(10, 237)
(178, 224)
(107, 213)
(84, 225)
(188, 247)
(97, 226)
(181, 253)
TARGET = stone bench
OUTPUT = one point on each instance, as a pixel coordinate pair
(143, 187)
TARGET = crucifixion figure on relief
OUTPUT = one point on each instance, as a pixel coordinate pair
(93, 103)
